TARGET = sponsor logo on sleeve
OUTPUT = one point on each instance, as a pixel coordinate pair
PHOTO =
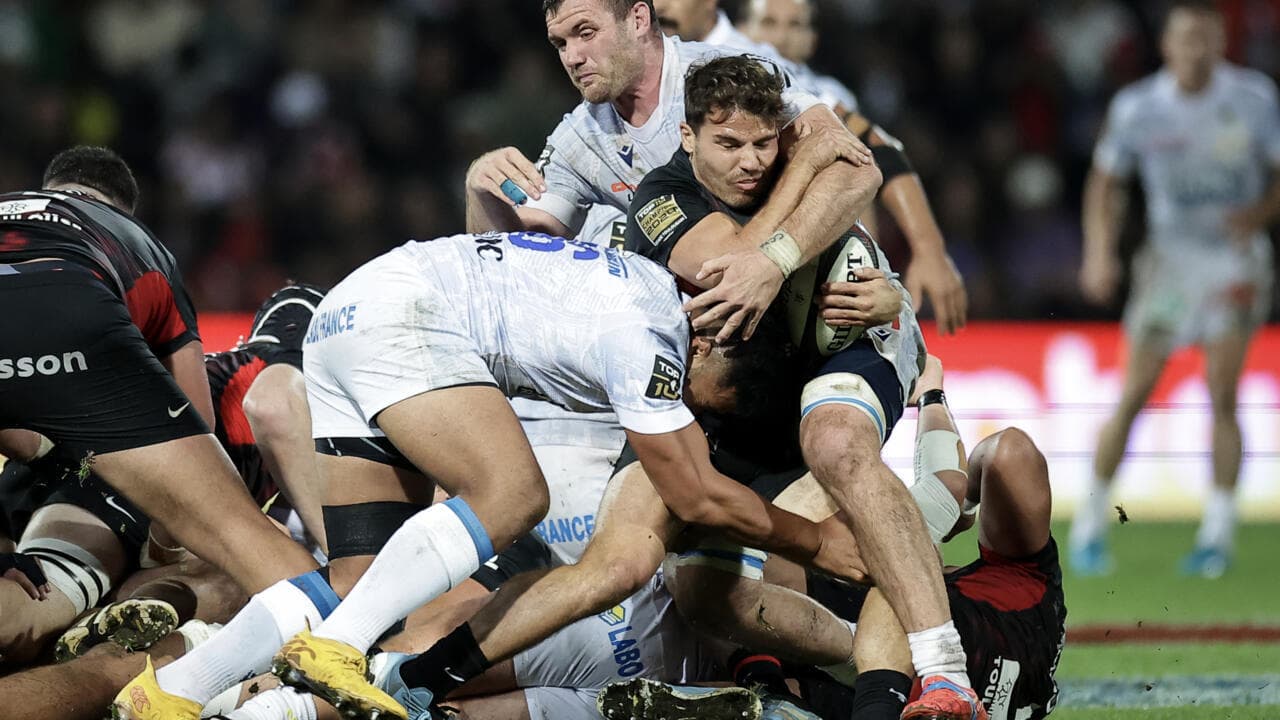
(544, 159)
(667, 380)
(659, 218)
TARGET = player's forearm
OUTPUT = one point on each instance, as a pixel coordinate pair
(837, 196)
(277, 411)
(1105, 205)
(751, 520)
(486, 213)
(905, 199)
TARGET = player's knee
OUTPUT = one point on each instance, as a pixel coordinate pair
(1015, 450)
(620, 579)
(842, 441)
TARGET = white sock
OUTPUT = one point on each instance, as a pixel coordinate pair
(431, 553)
(1092, 514)
(1217, 528)
(281, 702)
(243, 647)
(938, 651)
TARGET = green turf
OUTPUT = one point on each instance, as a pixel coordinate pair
(1155, 661)
(1236, 712)
(1146, 585)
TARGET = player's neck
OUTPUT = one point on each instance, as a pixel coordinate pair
(638, 103)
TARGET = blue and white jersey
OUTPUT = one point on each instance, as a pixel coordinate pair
(1199, 156)
(594, 157)
(589, 328)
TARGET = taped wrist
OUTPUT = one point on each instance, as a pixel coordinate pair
(782, 249)
(937, 451)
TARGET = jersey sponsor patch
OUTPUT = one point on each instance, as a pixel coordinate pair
(618, 235)
(20, 207)
(659, 218)
(544, 159)
(666, 382)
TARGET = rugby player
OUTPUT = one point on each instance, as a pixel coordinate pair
(632, 82)
(713, 189)
(1203, 135)
(788, 27)
(118, 380)
(460, 324)
(931, 270)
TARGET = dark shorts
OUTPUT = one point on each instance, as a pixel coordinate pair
(1010, 613)
(25, 488)
(75, 368)
(863, 360)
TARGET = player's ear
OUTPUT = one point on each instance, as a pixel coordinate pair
(687, 137)
(702, 346)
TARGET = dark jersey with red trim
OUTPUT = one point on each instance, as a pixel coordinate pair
(1011, 616)
(120, 251)
(231, 374)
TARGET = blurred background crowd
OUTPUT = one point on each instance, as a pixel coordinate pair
(282, 139)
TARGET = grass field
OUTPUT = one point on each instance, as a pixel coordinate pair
(1166, 677)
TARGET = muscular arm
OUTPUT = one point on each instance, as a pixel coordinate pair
(186, 365)
(678, 463)
(276, 407)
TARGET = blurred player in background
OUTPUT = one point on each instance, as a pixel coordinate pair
(1203, 135)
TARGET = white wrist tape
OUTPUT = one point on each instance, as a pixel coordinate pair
(936, 451)
(782, 249)
(970, 507)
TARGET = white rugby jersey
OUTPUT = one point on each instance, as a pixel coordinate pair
(828, 90)
(593, 157)
(588, 328)
(1199, 157)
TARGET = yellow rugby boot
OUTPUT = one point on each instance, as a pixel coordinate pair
(336, 673)
(142, 699)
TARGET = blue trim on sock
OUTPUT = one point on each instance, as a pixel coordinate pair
(484, 546)
(733, 557)
(317, 591)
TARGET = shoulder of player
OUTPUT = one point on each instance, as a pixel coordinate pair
(1253, 83)
(1134, 97)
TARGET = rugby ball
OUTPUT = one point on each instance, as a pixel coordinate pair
(812, 335)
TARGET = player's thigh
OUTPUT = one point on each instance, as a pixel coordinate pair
(1016, 498)
(81, 556)
(1224, 362)
(469, 440)
(1145, 359)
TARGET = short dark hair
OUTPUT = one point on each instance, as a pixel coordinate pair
(620, 8)
(98, 168)
(734, 82)
(765, 375)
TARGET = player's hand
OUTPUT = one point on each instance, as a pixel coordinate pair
(747, 283)
(935, 276)
(822, 145)
(930, 378)
(1099, 280)
(838, 553)
(489, 171)
(869, 302)
(26, 571)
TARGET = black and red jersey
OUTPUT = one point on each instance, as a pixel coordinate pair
(115, 246)
(231, 374)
